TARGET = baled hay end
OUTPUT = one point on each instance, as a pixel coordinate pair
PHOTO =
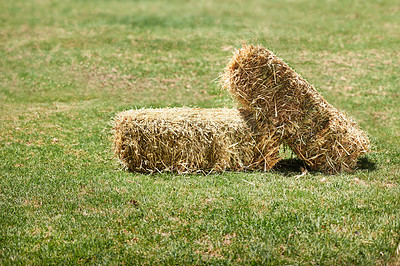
(325, 138)
(188, 140)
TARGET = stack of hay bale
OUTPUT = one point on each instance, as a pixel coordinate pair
(278, 107)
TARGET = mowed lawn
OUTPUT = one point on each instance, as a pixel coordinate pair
(66, 69)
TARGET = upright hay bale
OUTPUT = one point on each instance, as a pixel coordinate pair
(193, 140)
(317, 132)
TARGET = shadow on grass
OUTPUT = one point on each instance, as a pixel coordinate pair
(293, 166)
(289, 167)
(285, 167)
(364, 163)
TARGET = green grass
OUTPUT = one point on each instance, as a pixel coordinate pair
(66, 69)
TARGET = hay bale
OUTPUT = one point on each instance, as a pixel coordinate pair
(318, 133)
(187, 140)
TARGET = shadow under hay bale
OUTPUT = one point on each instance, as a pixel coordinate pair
(188, 140)
(325, 138)
(288, 167)
(364, 163)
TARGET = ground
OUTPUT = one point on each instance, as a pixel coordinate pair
(66, 69)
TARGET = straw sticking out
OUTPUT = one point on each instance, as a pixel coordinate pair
(187, 140)
(317, 132)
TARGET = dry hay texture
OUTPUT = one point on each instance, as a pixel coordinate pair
(325, 138)
(188, 140)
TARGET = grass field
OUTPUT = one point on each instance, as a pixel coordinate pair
(66, 69)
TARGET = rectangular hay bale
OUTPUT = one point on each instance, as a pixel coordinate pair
(325, 138)
(188, 140)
